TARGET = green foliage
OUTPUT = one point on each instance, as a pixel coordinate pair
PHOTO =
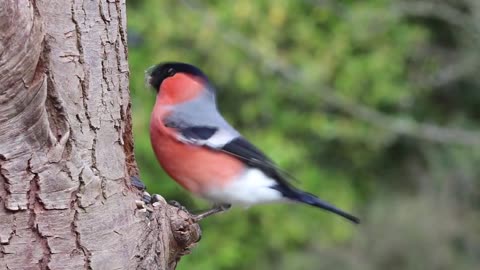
(275, 65)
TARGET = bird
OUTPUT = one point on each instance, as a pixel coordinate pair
(202, 152)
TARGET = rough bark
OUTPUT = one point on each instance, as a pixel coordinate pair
(66, 149)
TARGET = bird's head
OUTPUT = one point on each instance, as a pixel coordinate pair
(179, 81)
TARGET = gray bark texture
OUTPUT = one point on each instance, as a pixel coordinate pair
(66, 147)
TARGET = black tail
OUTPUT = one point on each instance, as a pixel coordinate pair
(307, 198)
(314, 201)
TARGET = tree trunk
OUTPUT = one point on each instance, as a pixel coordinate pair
(66, 148)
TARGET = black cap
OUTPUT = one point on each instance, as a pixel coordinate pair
(158, 73)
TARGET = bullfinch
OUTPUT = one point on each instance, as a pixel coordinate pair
(197, 147)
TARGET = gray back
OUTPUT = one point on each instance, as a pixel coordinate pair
(201, 111)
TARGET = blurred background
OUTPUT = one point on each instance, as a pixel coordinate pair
(374, 105)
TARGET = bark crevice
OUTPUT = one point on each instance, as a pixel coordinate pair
(35, 205)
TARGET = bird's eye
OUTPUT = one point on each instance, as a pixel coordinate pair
(170, 72)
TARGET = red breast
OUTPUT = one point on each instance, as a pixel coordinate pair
(179, 88)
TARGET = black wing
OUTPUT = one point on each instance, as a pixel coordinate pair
(246, 151)
(253, 157)
(198, 133)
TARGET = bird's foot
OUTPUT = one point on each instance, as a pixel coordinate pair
(215, 210)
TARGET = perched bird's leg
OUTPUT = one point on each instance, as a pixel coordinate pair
(216, 209)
